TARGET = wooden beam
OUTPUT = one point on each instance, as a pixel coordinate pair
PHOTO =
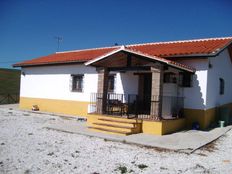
(142, 72)
(128, 64)
(132, 68)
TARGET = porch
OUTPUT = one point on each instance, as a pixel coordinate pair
(143, 99)
(133, 106)
(122, 126)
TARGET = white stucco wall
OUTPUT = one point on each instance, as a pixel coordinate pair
(53, 82)
(127, 83)
(221, 68)
(195, 96)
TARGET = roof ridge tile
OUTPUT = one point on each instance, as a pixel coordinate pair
(87, 49)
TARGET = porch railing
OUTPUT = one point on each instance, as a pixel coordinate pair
(134, 106)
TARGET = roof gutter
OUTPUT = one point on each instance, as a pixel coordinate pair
(47, 64)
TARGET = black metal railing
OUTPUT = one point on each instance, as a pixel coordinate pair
(132, 105)
(9, 98)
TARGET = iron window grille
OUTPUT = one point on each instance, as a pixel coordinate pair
(77, 82)
(111, 83)
(185, 80)
(222, 86)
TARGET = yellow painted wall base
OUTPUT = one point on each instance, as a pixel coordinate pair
(204, 117)
(78, 108)
(57, 106)
(163, 127)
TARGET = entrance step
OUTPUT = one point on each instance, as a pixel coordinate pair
(105, 130)
(120, 120)
(115, 125)
(130, 128)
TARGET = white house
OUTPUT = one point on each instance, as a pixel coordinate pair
(164, 85)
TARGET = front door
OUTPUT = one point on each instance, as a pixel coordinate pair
(144, 93)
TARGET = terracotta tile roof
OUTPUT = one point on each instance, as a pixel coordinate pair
(184, 48)
(197, 47)
(68, 57)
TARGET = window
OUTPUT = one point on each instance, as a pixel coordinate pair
(169, 77)
(77, 83)
(111, 83)
(185, 79)
(222, 86)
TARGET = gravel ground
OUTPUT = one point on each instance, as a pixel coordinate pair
(27, 147)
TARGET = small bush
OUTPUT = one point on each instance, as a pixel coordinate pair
(122, 169)
(142, 166)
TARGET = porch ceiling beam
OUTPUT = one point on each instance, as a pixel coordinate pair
(142, 72)
(165, 64)
(134, 68)
(128, 64)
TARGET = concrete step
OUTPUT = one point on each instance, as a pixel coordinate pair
(107, 130)
(115, 123)
(120, 120)
(115, 127)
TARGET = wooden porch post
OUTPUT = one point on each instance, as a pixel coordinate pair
(156, 92)
(102, 90)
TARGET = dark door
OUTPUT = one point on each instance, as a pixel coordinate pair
(144, 93)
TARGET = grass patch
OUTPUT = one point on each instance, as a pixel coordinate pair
(163, 168)
(122, 169)
(27, 171)
(9, 84)
(142, 166)
(10, 80)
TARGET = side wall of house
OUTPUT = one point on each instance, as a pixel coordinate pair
(195, 96)
(202, 102)
(221, 67)
(49, 87)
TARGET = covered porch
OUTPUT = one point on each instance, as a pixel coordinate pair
(141, 104)
(151, 87)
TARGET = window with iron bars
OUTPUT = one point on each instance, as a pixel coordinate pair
(77, 82)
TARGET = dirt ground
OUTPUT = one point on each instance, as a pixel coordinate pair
(27, 147)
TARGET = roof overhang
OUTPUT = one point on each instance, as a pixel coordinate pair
(47, 64)
(150, 57)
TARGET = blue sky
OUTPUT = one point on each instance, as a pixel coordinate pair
(28, 28)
